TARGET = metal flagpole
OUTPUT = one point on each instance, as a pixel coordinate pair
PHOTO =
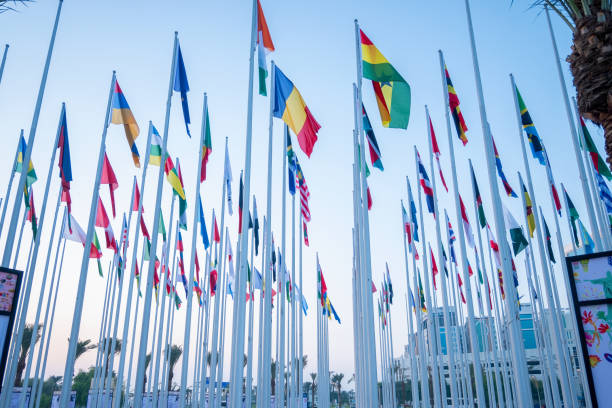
(223, 294)
(574, 137)
(260, 347)
(520, 365)
(441, 261)
(22, 301)
(144, 332)
(249, 373)
(168, 342)
(291, 330)
(198, 353)
(300, 375)
(206, 302)
(78, 308)
(436, 328)
(194, 234)
(6, 47)
(128, 307)
(10, 183)
(216, 332)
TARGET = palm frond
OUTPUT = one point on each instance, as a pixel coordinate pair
(9, 5)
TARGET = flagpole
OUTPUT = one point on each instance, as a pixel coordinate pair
(24, 169)
(48, 341)
(6, 47)
(128, 307)
(300, 363)
(198, 354)
(168, 341)
(574, 137)
(10, 183)
(249, 380)
(223, 294)
(144, 333)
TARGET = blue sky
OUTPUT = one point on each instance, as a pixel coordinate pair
(315, 49)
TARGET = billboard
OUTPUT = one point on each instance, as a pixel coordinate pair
(10, 283)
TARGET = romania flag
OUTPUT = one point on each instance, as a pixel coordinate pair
(453, 104)
(122, 114)
(291, 108)
(391, 90)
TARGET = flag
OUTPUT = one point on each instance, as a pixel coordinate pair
(336, 317)
(143, 228)
(436, 152)
(108, 177)
(31, 174)
(529, 212)
(227, 179)
(255, 227)
(412, 304)
(124, 234)
(391, 90)
(322, 287)
(421, 295)
(182, 200)
(206, 148)
(389, 284)
(304, 193)
(494, 247)
(434, 268)
(481, 215)
(216, 235)
(257, 280)
(181, 85)
(587, 241)
(291, 108)
(467, 229)
(162, 226)
(500, 172)
(548, 239)
(604, 193)
(203, 231)
(573, 216)
(305, 229)
(65, 167)
(122, 114)
(155, 151)
(213, 282)
(31, 215)
(426, 185)
(369, 195)
(375, 157)
(240, 204)
(291, 165)
(453, 102)
(173, 178)
(551, 181)
(177, 299)
(599, 164)
(519, 242)
(97, 253)
(103, 221)
(530, 130)
(264, 46)
(451, 241)
(230, 261)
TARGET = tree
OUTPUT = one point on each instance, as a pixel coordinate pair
(175, 354)
(81, 383)
(273, 377)
(336, 380)
(83, 346)
(9, 5)
(25, 349)
(49, 386)
(313, 388)
(590, 60)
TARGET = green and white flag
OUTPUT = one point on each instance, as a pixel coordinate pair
(519, 242)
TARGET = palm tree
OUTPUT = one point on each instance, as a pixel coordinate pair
(313, 388)
(26, 344)
(273, 377)
(147, 361)
(175, 354)
(9, 5)
(110, 352)
(83, 346)
(590, 60)
(336, 380)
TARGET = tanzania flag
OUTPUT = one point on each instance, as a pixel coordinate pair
(155, 152)
(598, 163)
(548, 238)
(181, 85)
(206, 148)
(122, 114)
(500, 173)
(481, 215)
(264, 46)
(532, 134)
(373, 144)
(529, 212)
(391, 90)
(31, 174)
(173, 178)
(291, 108)
(453, 104)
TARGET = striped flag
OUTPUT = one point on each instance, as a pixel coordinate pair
(264, 46)
(500, 172)
(65, 166)
(108, 177)
(375, 156)
(122, 114)
(426, 185)
(453, 102)
(436, 152)
(467, 229)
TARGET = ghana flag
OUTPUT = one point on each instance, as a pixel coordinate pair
(391, 90)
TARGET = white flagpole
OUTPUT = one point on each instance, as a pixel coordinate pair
(438, 344)
(574, 137)
(194, 235)
(260, 348)
(78, 308)
(223, 294)
(22, 301)
(300, 362)
(168, 343)
(144, 332)
(128, 307)
(6, 47)
(196, 368)
(10, 183)
(216, 333)
(520, 364)
(48, 341)
(206, 300)
(249, 373)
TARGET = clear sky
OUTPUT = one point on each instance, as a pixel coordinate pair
(315, 47)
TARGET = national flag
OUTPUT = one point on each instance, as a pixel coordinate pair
(173, 178)
(391, 90)
(304, 193)
(369, 196)
(375, 156)
(553, 187)
(162, 226)
(434, 268)
(389, 284)
(451, 240)
(137, 275)
(494, 247)
(97, 253)
(257, 280)
(467, 229)
(482, 220)
(31, 215)
(500, 277)
(421, 295)
(155, 151)
(230, 261)
(530, 130)
(322, 287)
(264, 46)
(529, 211)
(604, 193)
(412, 304)
(291, 164)
(548, 239)
(124, 235)
(227, 179)
(240, 204)
(291, 108)
(255, 227)
(460, 282)
(213, 282)
(122, 114)
(181, 85)
(103, 221)
(436, 152)
(143, 228)
(406, 223)
(136, 202)
(305, 229)
(519, 242)
(65, 166)
(573, 216)
(108, 177)
(587, 241)
(177, 299)
(426, 185)
(336, 317)
(413, 218)
(500, 172)
(453, 102)
(216, 235)
(599, 164)
(203, 232)
(182, 201)
(206, 148)
(31, 174)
